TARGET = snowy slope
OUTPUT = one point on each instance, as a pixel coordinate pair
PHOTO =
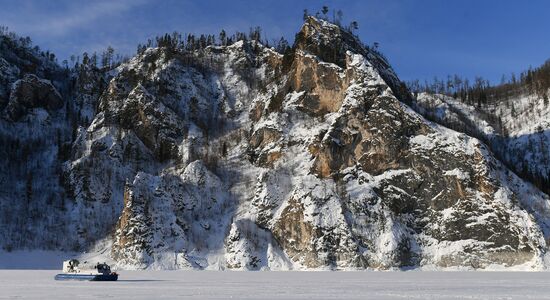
(516, 129)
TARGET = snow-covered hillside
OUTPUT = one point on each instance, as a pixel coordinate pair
(238, 157)
(517, 129)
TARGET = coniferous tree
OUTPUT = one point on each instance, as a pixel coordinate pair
(93, 59)
(29, 189)
(223, 38)
(338, 18)
(353, 26)
(85, 58)
(324, 11)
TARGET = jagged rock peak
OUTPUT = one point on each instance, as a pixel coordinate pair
(330, 42)
(327, 41)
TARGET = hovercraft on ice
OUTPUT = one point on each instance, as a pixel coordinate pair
(101, 272)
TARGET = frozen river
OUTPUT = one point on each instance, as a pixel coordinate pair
(29, 284)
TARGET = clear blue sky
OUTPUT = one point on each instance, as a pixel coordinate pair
(421, 38)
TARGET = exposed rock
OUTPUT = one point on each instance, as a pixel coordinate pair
(324, 84)
(32, 92)
(239, 157)
(8, 75)
(132, 243)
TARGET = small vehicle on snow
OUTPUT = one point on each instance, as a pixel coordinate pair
(101, 272)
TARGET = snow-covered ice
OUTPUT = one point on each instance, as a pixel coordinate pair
(33, 284)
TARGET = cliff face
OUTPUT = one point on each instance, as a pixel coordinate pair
(238, 157)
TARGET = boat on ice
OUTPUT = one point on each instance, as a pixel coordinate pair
(101, 272)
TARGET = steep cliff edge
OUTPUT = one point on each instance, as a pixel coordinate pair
(239, 157)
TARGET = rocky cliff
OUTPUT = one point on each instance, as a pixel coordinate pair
(239, 157)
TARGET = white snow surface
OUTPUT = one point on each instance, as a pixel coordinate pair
(33, 284)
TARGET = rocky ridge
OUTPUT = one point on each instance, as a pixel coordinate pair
(238, 157)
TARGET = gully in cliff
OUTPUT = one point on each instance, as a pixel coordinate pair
(101, 272)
